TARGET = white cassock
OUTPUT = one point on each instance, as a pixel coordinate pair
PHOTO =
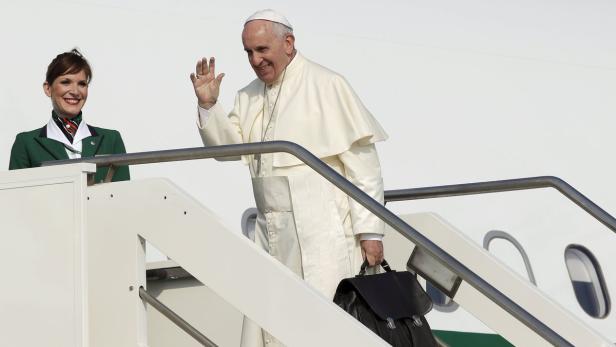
(304, 221)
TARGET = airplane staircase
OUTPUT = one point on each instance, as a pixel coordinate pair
(79, 274)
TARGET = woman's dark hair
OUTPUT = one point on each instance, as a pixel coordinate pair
(68, 63)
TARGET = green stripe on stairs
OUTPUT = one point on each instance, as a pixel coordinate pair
(465, 339)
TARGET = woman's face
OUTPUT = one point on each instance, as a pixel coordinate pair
(68, 93)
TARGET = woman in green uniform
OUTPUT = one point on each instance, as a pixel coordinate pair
(66, 135)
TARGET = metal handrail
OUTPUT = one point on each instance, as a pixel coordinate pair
(505, 186)
(181, 323)
(351, 190)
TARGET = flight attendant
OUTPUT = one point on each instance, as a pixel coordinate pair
(67, 135)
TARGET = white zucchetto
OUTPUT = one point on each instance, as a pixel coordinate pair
(270, 15)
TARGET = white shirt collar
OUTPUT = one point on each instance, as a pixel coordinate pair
(55, 133)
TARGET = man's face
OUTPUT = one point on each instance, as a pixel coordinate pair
(268, 53)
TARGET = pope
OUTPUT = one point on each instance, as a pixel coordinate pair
(304, 221)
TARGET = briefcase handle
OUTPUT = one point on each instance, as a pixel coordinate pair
(364, 266)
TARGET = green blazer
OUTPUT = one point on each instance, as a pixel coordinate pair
(31, 148)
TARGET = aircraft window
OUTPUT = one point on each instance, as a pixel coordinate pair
(249, 221)
(441, 301)
(587, 280)
(504, 251)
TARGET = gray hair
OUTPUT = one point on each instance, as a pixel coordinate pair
(281, 30)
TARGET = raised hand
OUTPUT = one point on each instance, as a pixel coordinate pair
(206, 83)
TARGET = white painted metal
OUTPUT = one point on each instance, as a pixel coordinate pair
(197, 304)
(190, 299)
(69, 290)
(43, 292)
(499, 275)
(227, 262)
(116, 270)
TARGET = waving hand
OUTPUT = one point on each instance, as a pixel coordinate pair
(206, 83)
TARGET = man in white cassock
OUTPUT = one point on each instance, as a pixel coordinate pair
(303, 220)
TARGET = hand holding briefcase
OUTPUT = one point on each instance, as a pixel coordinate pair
(392, 304)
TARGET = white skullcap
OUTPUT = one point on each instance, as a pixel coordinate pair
(270, 15)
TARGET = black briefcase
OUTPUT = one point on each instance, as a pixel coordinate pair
(392, 304)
